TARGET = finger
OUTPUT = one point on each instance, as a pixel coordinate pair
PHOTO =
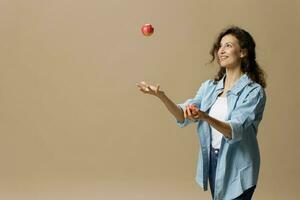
(143, 84)
(143, 91)
(196, 116)
(194, 112)
(188, 111)
(139, 85)
(184, 113)
(148, 88)
(193, 116)
(157, 89)
(196, 109)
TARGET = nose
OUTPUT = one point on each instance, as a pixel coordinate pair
(221, 50)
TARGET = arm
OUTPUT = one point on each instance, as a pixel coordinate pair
(172, 107)
(246, 114)
(176, 111)
(181, 112)
(220, 126)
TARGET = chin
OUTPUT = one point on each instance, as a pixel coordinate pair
(226, 65)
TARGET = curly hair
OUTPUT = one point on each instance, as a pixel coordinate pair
(248, 63)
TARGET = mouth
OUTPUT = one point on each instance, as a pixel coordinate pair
(223, 58)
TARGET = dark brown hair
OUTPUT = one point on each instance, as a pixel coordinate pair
(248, 63)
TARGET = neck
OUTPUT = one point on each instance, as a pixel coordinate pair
(232, 75)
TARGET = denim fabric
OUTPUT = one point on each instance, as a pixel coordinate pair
(212, 169)
(247, 195)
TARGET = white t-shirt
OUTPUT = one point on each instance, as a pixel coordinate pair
(218, 111)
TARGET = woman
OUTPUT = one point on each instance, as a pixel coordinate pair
(228, 111)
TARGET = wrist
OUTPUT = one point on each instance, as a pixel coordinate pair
(161, 95)
(205, 117)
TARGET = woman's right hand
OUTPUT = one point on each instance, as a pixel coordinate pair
(190, 112)
(149, 89)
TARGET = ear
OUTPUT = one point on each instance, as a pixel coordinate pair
(243, 53)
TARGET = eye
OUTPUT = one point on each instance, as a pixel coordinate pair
(228, 45)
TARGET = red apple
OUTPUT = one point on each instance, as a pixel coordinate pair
(147, 29)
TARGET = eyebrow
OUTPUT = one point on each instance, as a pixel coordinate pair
(226, 43)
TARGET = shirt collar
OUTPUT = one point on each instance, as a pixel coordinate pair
(238, 86)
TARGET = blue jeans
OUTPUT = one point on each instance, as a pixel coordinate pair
(247, 195)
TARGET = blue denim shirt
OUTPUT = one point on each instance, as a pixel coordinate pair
(239, 157)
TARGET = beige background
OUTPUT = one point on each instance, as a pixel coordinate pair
(74, 126)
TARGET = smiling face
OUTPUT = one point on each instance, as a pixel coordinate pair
(229, 52)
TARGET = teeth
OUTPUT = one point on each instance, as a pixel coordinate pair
(223, 57)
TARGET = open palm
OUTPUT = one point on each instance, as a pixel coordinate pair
(148, 89)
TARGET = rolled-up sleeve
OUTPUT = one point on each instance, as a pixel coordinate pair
(186, 121)
(196, 100)
(248, 113)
